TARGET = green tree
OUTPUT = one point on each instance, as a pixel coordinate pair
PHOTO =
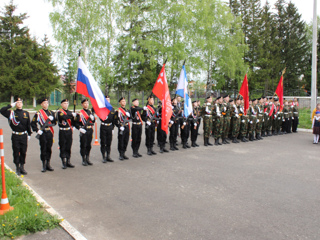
(26, 66)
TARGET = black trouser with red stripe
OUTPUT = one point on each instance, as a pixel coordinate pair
(161, 135)
(105, 138)
(85, 142)
(150, 130)
(45, 142)
(194, 132)
(19, 148)
(136, 133)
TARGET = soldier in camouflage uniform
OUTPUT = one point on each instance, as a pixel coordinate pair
(291, 118)
(276, 117)
(194, 122)
(235, 120)
(227, 119)
(265, 124)
(252, 120)
(206, 113)
(244, 121)
(258, 109)
(271, 116)
(285, 119)
(219, 119)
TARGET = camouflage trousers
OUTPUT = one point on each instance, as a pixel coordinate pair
(244, 126)
(265, 125)
(252, 125)
(218, 127)
(235, 126)
(226, 127)
(259, 124)
(270, 123)
(207, 126)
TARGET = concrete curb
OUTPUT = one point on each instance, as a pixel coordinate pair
(64, 223)
(304, 130)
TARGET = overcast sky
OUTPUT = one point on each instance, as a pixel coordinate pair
(39, 10)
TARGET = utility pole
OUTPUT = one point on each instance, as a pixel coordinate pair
(314, 58)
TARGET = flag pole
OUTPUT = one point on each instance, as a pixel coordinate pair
(76, 94)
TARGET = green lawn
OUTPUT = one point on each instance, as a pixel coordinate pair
(305, 118)
(28, 215)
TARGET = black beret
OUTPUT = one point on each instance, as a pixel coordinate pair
(208, 97)
(18, 99)
(225, 96)
(151, 96)
(239, 97)
(121, 98)
(84, 100)
(218, 98)
(134, 99)
(194, 101)
(107, 96)
(231, 100)
(270, 98)
(64, 100)
(43, 100)
(259, 98)
(253, 99)
(263, 97)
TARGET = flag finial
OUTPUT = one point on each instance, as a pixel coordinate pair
(284, 70)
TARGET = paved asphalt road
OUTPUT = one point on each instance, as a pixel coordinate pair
(267, 189)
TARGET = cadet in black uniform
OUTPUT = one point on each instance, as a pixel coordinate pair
(19, 122)
(162, 135)
(106, 133)
(194, 124)
(66, 123)
(149, 116)
(174, 125)
(136, 127)
(184, 130)
(45, 118)
(86, 131)
(122, 122)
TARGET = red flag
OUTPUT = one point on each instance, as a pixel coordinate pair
(244, 92)
(161, 90)
(279, 92)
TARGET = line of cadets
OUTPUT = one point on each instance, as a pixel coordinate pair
(224, 119)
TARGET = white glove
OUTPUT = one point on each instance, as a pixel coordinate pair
(121, 128)
(128, 114)
(172, 107)
(157, 122)
(184, 123)
(257, 120)
(83, 130)
(13, 104)
(292, 117)
(92, 117)
(39, 132)
(29, 138)
(250, 122)
(50, 118)
(195, 125)
(145, 108)
(149, 123)
(74, 114)
(171, 122)
(218, 114)
(283, 120)
(237, 115)
(243, 121)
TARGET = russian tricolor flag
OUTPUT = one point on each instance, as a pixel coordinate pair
(86, 85)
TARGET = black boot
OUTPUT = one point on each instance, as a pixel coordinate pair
(243, 139)
(175, 147)
(149, 152)
(234, 140)
(64, 164)
(187, 145)
(44, 166)
(135, 155)
(164, 149)
(184, 145)
(125, 157)
(224, 141)
(153, 152)
(263, 134)
(250, 137)
(109, 159)
(22, 169)
(269, 134)
(139, 155)
(161, 149)
(49, 168)
(121, 158)
(104, 158)
(280, 133)
(209, 144)
(84, 161)
(206, 142)
(88, 160)
(216, 142)
(18, 172)
(193, 145)
(196, 144)
(69, 165)
(171, 147)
